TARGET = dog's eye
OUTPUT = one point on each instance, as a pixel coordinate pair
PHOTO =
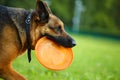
(56, 29)
(59, 29)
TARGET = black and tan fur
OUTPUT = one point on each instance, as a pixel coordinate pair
(13, 34)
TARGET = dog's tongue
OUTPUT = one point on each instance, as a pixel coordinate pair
(53, 56)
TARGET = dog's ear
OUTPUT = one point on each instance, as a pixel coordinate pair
(42, 11)
(48, 9)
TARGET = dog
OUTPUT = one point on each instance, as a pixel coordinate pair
(20, 30)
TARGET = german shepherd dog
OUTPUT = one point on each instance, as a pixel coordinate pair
(20, 29)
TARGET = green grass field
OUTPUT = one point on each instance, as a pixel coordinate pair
(94, 59)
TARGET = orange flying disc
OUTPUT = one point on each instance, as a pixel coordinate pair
(53, 56)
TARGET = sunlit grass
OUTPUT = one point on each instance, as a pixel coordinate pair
(94, 59)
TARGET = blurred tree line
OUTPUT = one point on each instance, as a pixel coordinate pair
(19, 3)
(62, 8)
(101, 16)
(98, 16)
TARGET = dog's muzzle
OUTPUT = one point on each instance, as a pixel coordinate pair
(69, 42)
(64, 41)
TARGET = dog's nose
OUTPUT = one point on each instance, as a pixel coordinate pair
(73, 42)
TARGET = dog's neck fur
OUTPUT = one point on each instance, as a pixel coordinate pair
(18, 16)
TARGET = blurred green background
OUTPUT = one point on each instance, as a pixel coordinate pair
(93, 16)
(95, 25)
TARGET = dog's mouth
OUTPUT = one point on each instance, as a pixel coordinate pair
(64, 41)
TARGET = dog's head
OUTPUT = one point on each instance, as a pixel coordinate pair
(47, 24)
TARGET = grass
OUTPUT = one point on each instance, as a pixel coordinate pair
(94, 59)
